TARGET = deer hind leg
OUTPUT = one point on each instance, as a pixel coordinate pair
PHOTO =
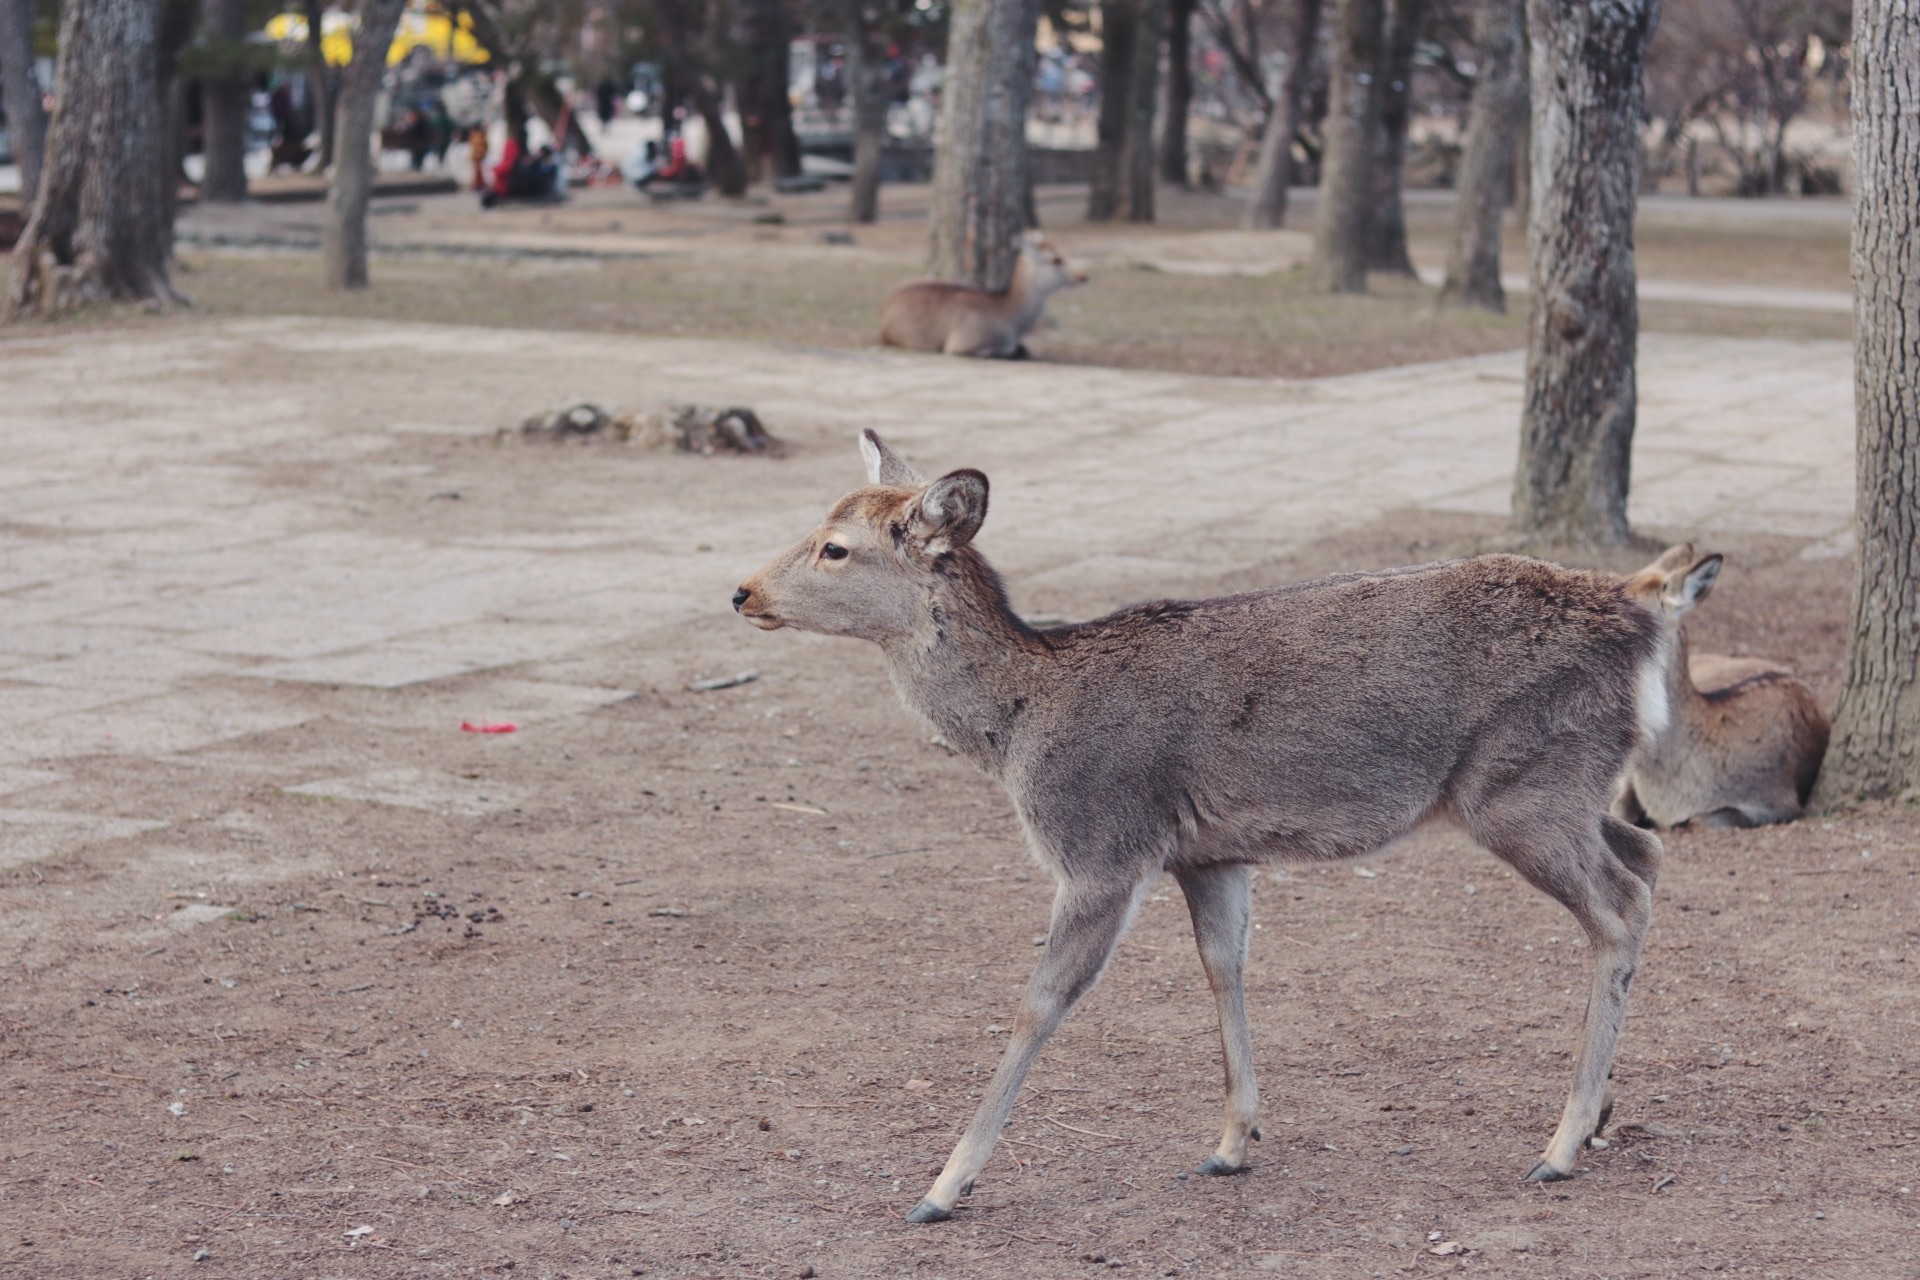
(1087, 921)
(1219, 901)
(1602, 870)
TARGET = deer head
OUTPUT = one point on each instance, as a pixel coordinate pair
(872, 568)
(1676, 582)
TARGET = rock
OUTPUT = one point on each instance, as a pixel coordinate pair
(702, 429)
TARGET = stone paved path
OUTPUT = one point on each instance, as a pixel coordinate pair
(205, 525)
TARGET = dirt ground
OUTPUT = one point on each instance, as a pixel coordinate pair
(716, 995)
(717, 269)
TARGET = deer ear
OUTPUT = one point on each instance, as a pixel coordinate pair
(1685, 589)
(884, 466)
(949, 511)
(1677, 556)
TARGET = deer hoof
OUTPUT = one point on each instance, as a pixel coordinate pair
(1545, 1172)
(928, 1211)
(1217, 1167)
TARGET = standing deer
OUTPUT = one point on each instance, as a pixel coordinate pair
(1744, 742)
(966, 320)
(1304, 723)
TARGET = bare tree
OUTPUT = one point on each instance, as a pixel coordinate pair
(1387, 246)
(1576, 430)
(867, 87)
(1173, 134)
(343, 246)
(1486, 170)
(1875, 748)
(101, 226)
(1122, 187)
(1746, 69)
(766, 113)
(1267, 208)
(1342, 230)
(26, 115)
(224, 91)
(980, 173)
(315, 11)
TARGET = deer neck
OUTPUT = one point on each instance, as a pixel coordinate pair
(971, 667)
(1023, 301)
(1684, 702)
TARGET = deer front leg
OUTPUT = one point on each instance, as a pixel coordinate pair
(1219, 900)
(1087, 921)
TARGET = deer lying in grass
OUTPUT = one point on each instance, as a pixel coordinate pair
(1744, 741)
(1298, 724)
(966, 320)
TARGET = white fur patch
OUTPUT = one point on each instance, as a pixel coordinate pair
(1651, 700)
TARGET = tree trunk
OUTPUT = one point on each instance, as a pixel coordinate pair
(766, 113)
(317, 72)
(1343, 228)
(1387, 250)
(1576, 429)
(866, 84)
(725, 170)
(344, 240)
(101, 226)
(26, 114)
(1129, 74)
(1875, 749)
(980, 160)
(225, 95)
(1267, 209)
(1486, 169)
(1173, 136)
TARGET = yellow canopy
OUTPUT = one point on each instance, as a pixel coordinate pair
(421, 25)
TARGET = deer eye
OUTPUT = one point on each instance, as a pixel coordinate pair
(834, 551)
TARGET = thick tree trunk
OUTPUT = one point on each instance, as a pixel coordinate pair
(980, 176)
(1387, 251)
(317, 74)
(1123, 176)
(1267, 209)
(1576, 429)
(225, 95)
(1173, 135)
(101, 226)
(26, 114)
(1486, 170)
(766, 113)
(343, 244)
(1343, 229)
(1875, 749)
(866, 84)
(725, 170)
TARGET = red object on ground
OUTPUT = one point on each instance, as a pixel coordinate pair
(468, 726)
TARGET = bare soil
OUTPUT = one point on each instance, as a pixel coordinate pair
(716, 994)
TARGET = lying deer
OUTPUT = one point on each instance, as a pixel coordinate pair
(1304, 723)
(966, 320)
(1744, 741)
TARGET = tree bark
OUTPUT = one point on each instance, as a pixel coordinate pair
(1343, 228)
(1875, 748)
(101, 226)
(980, 171)
(1173, 135)
(1387, 250)
(315, 10)
(1123, 175)
(225, 97)
(343, 245)
(866, 84)
(1267, 210)
(766, 113)
(1486, 168)
(26, 114)
(1576, 430)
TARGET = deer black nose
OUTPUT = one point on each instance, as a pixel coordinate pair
(740, 597)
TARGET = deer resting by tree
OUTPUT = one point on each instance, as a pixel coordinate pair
(1305, 723)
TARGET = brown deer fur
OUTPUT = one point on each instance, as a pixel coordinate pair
(1302, 723)
(966, 320)
(1744, 742)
